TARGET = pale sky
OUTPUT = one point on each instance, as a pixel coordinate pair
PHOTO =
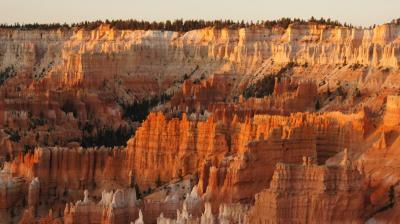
(357, 12)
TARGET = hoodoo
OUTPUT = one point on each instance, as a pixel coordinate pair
(286, 121)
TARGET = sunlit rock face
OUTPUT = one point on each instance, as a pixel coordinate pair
(236, 126)
(101, 69)
(313, 193)
(145, 60)
(235, 160)
(392, 113)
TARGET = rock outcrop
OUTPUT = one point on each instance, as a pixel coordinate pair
(312, 194)
(62, 174)
(232, 213)
(227, 153)
(80, 57)
(12, 197)
(34, 195)
(392, 113)
(114, 207)
(155, 126)
(213, 96)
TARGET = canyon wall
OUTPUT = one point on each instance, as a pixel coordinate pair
(70, 57)
(239, 125)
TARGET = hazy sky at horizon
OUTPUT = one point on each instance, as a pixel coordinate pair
(357, 12)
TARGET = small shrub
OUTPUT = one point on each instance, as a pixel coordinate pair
(317, 105)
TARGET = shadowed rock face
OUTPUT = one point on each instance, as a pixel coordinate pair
(242, 125)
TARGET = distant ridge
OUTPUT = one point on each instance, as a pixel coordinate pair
(178, 25)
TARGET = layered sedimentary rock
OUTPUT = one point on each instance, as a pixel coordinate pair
(392, 113)
(235, 159)
(167, 148)
(312, 194)
(107, 63)
(273, 139)
(197, 97)
(380, 165)
(64, 173)
(12, 197)
(100, 70)
(34, 195)
(251, 170)
(232, 213)
(114, 207)
(214, 96)
(168, 199)
(72, 168)
(202, 156)
(74, 57)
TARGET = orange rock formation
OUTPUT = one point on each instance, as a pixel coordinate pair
(317, 147)
(311, 193)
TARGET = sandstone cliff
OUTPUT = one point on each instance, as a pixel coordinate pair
(79, 56)
(211, 151)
